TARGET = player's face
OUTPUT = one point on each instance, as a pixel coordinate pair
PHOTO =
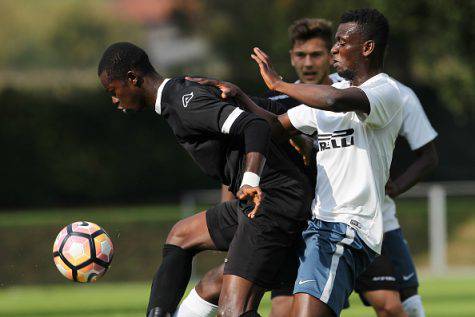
(347, 50)
(311, 60)
(126, 95)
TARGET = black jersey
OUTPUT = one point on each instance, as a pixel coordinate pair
(205, 126)
(282, 99)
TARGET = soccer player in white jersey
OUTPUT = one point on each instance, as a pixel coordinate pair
(392, 277)
(357, 128)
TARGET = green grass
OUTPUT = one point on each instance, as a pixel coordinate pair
(443, 297)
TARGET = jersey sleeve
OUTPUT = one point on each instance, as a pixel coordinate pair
(270, 105)
(416, 128)
(303, 118)
(204, 111)
(384, 101)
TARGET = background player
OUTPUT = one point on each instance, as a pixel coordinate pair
(392, 277)
(230, 145)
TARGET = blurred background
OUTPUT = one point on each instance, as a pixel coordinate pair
(67, 155)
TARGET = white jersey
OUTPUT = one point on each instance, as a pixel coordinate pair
(417, 130)
(354, 157)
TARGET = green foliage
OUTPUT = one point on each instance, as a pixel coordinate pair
(59, 34)
(432, 42)
(74, 148)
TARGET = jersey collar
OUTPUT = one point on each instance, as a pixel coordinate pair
(158, 102)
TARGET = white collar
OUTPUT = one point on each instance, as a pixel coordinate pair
(158, 102)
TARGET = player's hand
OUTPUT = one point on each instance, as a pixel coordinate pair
(392, 190)
(253, 194)
(304, 146)
(270, 76)
(228, 90)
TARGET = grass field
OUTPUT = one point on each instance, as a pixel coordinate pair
(23, 262)
(443, 297)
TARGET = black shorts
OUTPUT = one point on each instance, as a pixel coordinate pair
(263, 249)
(380, 275)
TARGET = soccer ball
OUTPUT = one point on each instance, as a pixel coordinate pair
(82, 251)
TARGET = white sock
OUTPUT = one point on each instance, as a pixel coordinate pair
(413, 306)
(195, 306)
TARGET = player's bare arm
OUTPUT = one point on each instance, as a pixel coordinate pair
(281, 127)
(316, 96)
(426, 161)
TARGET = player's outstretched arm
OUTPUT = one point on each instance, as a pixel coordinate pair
(316, 96)
(280, 125)
(426, 161)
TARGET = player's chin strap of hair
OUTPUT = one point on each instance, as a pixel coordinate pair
(251, 313)
(251, 179)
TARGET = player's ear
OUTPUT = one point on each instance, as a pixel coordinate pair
(368, 48)
(133, 79)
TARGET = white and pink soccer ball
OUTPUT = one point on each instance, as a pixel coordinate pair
(83, 251)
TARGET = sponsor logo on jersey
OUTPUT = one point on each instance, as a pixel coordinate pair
(186, 99)
(337, 139)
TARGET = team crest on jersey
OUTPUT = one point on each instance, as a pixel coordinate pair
(337, 139)
(186, 99)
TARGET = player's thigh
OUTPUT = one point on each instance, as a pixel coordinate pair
(191, 233)
(281, 306)
(305, 305)
(238, 296)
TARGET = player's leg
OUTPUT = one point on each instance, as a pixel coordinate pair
(187, 237)
(202, 301)
(282, 300)
(378, 287)
(334, 255)
(386, 303)
(239, 296)
(400, 256)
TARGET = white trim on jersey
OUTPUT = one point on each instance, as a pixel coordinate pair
(228, 123)
(158, 102)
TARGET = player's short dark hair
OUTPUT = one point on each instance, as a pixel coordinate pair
(121, 57)
(374, 25)
(308, 28)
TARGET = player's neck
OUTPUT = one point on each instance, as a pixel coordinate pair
(364, 75)
(151, 84)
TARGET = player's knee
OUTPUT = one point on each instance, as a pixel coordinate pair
(209, 286)
(389, 308)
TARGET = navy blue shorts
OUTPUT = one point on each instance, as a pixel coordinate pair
(393, 270)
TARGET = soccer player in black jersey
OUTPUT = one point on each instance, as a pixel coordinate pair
(259, 228)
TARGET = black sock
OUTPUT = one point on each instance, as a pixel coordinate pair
(170, 281)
